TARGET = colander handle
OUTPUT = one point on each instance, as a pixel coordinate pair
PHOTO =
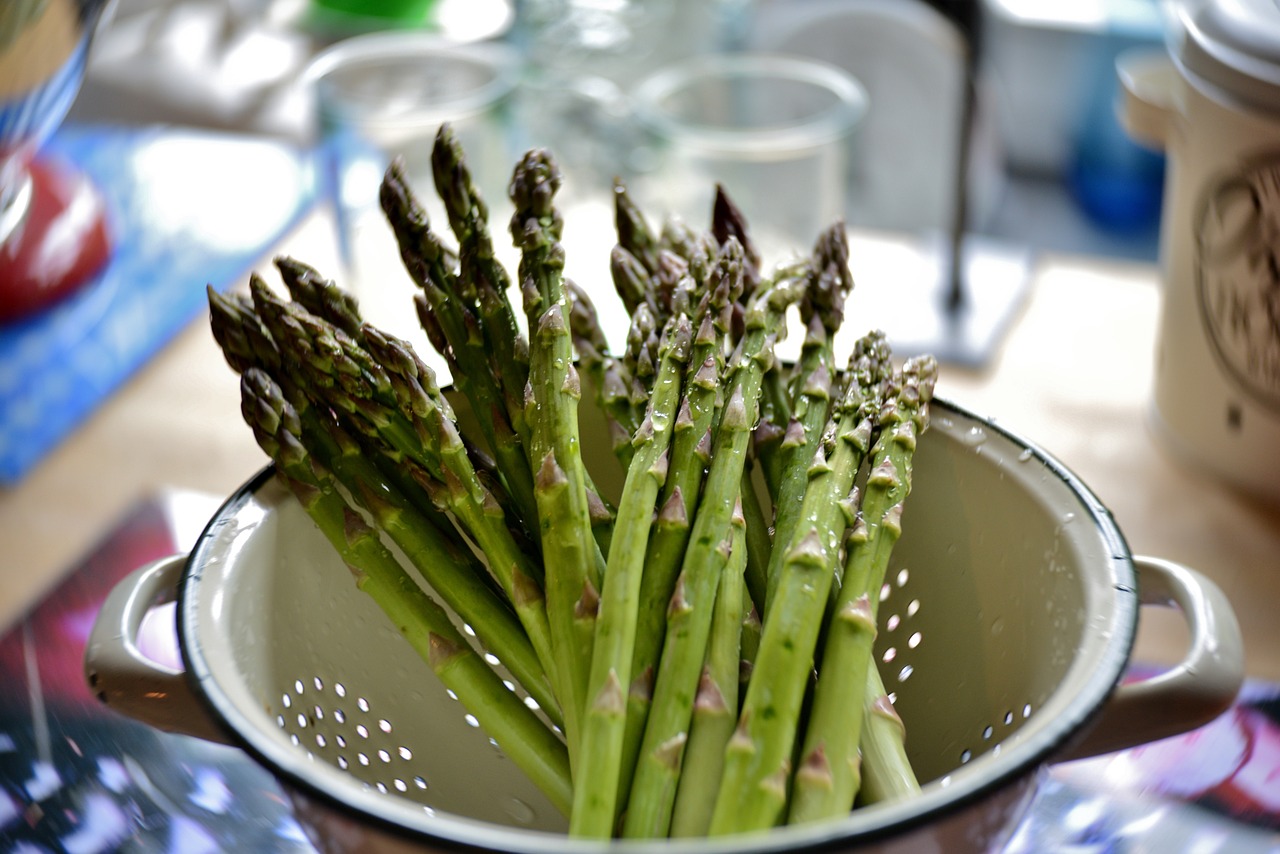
(1193, 692)
(123, 677)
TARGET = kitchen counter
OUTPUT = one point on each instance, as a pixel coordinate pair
(1073, 376)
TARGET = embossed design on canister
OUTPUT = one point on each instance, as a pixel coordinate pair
(1237, 231)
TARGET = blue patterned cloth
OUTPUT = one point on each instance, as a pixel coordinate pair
(185, 209)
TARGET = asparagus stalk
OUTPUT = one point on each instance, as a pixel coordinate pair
(469, 218)
(634, 233)
(246, 343)
(600, 753)
(570, 553)
(453, 573)
(653, 788)
(320, 296)
(453, 321)
(830, 775)
(421, 432)
(727, 220)
(759, 541)
(690, 449)
(690, 454)
(822, 311)
(886, 771)
(631, 280)
(442, 559)
(423, 622)
(757, 768)
(610, 378)
(716, 704)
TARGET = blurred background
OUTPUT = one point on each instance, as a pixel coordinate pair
(153, 147)
(1047, 161)
(999, 217)
(999, 112)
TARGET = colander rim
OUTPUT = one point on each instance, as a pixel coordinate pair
(973, 783)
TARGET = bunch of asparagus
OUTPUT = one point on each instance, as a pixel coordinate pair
(696, 650)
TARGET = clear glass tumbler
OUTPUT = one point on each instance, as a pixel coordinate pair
(385, 95)
(775, 131)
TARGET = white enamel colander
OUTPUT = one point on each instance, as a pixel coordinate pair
(1007, 620)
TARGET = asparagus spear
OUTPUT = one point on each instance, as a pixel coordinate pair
(653, 787)
(451, 570)
(423, 623)
(727, 220)
(469, 219)
(453, 321)
(246, 343)
(830, 775)
(690, 449)
(570, 553)
(600, 753)
(757, 769)
(886, 771)
(610, 378)
(716, 704)
(822, 310)
(320, 296)
(421, 432)
(631, 280)
(690, 453)
(634, 233)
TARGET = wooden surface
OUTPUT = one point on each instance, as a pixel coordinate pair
(1073, 376)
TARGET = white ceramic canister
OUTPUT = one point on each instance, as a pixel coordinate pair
(1212, 102)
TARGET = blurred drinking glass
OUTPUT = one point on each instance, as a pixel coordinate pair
(385, 95)
(775, 131)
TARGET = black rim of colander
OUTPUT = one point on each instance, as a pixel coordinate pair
(891, 820)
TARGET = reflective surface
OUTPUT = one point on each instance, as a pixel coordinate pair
(76, 776)
(53, 234)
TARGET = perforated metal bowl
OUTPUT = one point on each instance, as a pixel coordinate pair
(1006, 625)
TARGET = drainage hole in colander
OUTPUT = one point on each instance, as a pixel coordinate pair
(305, 733)
(988, 732)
